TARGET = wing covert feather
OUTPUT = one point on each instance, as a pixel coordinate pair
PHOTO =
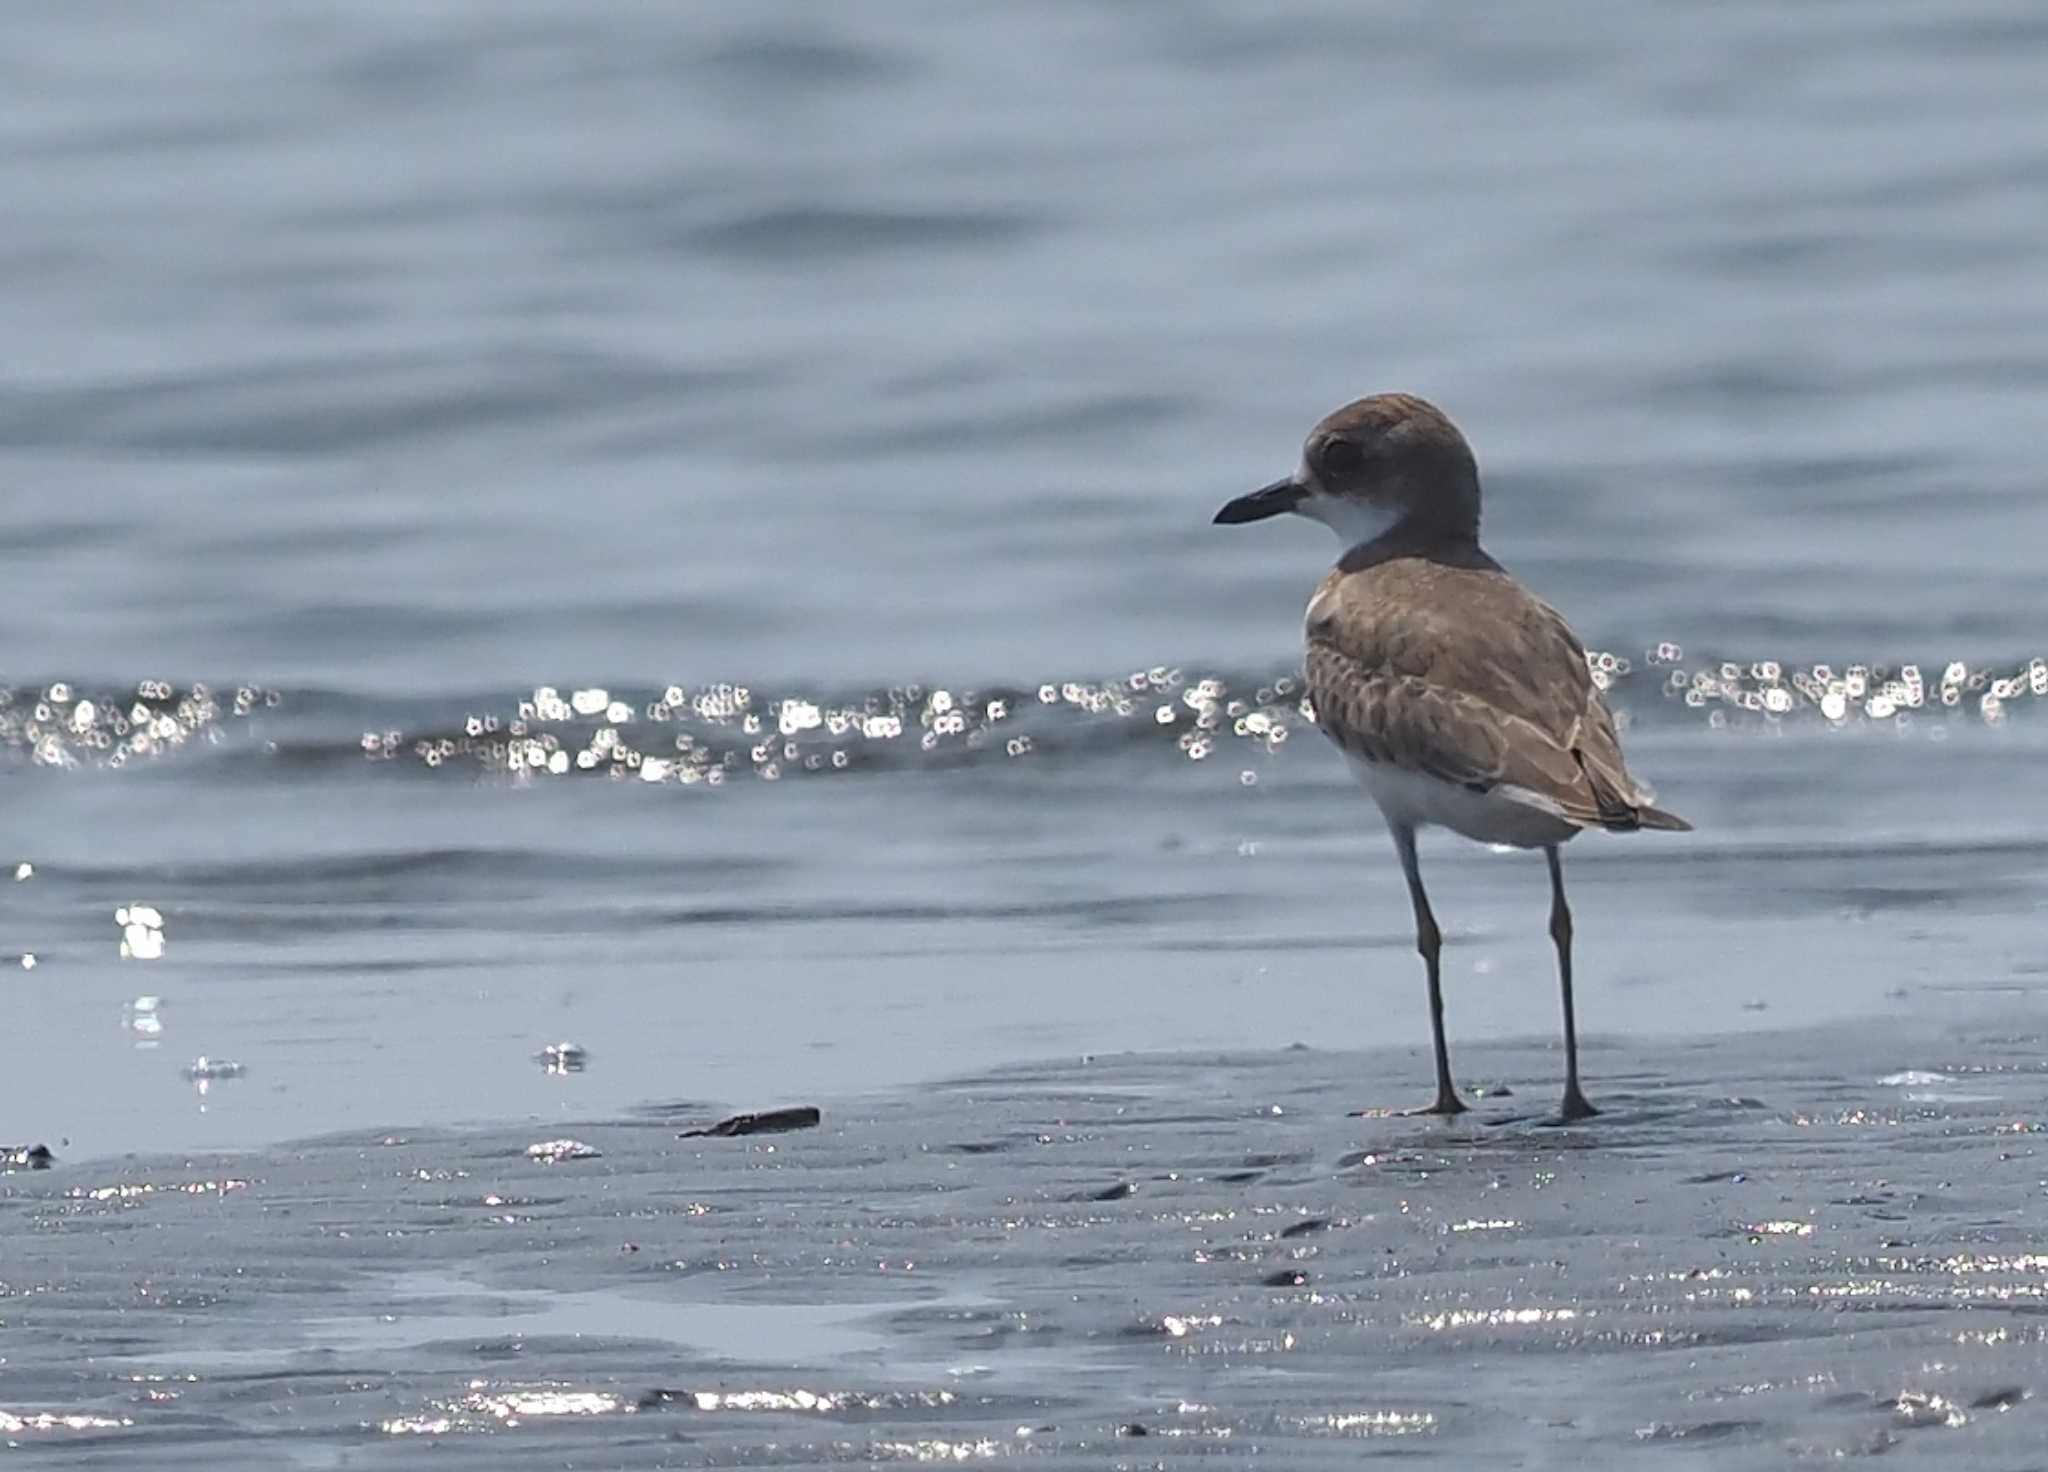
(1499, 695)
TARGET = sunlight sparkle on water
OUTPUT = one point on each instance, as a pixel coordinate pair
(704, 736)
(12, 1424)
(685, 736)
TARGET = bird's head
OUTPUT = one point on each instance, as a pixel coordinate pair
(1380, 462)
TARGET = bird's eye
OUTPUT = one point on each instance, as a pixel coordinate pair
(1342, 458)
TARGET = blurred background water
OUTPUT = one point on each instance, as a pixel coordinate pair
(684, 530)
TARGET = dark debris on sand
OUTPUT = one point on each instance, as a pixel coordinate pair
(768, 1122)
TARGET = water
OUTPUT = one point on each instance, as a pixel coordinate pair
(845, 399)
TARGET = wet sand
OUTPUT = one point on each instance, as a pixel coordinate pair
(1777, 1246)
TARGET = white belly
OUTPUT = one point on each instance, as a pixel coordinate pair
(1507, 815)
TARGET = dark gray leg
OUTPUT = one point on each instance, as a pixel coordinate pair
(1575, 1105)
(1429, 940)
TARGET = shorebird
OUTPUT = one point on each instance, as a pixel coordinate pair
(1459, 698)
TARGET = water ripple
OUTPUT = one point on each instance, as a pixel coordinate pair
(713, 734)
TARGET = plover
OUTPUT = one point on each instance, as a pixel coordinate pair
(1460, 699)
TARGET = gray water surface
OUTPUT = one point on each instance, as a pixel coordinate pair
(683, 532)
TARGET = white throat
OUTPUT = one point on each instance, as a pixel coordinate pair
(1354, 522)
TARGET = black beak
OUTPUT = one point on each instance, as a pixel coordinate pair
(1273, 500)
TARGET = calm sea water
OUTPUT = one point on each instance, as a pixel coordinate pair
(683, 531)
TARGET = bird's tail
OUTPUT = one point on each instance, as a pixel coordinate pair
(1624, 804)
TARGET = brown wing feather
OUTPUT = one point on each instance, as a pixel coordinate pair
(1406, 722)
(1397, 676)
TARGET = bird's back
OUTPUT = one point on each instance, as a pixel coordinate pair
(1440, 663)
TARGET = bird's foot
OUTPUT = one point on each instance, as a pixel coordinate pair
(1447, 1104)
(1575, 1106)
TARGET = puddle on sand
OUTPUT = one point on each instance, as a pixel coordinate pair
(435, 1308)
